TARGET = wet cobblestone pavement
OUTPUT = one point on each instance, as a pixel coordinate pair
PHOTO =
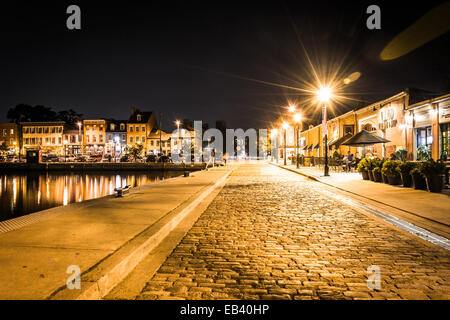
(270, 234)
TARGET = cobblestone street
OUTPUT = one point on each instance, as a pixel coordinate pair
(270, 234)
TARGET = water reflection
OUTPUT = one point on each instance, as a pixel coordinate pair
(22, 194)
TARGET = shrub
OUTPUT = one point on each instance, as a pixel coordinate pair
(431, 167)
(401, 153)
(377, 170)
(363, 165)
(406, 167)
(391, 168)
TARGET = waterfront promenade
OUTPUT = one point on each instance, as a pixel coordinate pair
(105, 237)
(244, 231)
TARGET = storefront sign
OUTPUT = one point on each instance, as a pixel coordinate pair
(388, 118)
(444, 113)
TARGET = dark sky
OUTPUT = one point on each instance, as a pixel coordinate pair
(188, 59)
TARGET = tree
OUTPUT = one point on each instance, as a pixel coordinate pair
(135, 151)
(21, 112)
(69, 116)
(26, 113)
(3, 147)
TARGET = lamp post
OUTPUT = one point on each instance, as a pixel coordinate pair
(285, 126)
(297, 120)
(80, 136)
(178, 133)
(324, 95)
(65, 150)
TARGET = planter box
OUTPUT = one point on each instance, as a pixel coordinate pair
(406, 179)
(377, 176)
(394, 180)
(384, 178)
(370, 175)
(435, 183)
(365, 175)
(419, 182)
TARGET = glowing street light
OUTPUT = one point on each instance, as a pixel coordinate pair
(324, 94)
(291, 108)
(285, 125)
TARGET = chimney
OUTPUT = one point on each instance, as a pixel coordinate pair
(133, 110)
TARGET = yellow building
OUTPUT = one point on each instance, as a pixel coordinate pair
(94, 137)
(46, 136)
(139, 126)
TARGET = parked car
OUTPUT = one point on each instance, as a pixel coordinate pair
(94, 158)
(50, 158)
(80, 158)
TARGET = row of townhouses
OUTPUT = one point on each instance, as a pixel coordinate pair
(91, 137)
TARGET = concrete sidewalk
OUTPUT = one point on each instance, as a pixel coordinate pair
(426, 209)
(96, 237)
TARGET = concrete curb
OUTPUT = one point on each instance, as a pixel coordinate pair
(100, 287)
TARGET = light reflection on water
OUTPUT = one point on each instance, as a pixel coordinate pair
(21, 194)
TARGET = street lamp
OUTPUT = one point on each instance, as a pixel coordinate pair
(324, 94)
(80, 136)
(297, 120)
(285, 125)
(65, 150)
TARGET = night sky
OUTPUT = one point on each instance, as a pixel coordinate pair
(194, 59)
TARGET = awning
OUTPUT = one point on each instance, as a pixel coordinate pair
(364, 138)
(336, 143)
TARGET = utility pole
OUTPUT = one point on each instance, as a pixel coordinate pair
(160, 134)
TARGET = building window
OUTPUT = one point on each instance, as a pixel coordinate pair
(32, 130)
(100, 138)
(123, 137)
(143, 139)
(137, 139)
(139, 117)
(151, 143)
(131, 139)
(53, 140)
(122, 126)
(46, 130)
(94, 138)
(424, 137)
(12, 132)
(445, 152)
(143, 128)
(131, 128)
(59, 140)
(137, 128)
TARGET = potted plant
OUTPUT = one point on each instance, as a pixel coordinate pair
(433, 172)
(376, 169)
(423, 153)
(417, 178)
(362, 167)
(390, 169)
(405, 169)
(376, 172)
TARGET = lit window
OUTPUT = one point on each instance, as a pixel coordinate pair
(131, 139)
(139, 117)
(12, 131)
(143, 139)
(137, 139)
(143, 128)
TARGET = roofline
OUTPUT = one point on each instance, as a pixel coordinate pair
(429, 101)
